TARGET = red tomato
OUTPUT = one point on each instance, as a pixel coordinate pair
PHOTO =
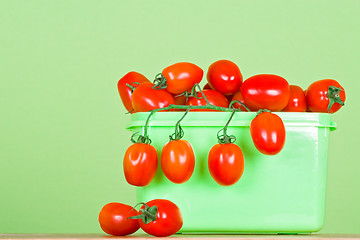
(239, 97)
(181, 77)
(268, 133)
(226, 163)
(145, 98)
(168, 218)
(297, 101)
(113, 219)
(266, 91)
(214, 98)
(225, 77)
(178, 160)
(140, 164)
(318, 99)
(125, 91)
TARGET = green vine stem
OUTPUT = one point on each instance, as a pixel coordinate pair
(145, 137)
(160, 82)
(179, 132)
(237, 101)
(224, 138)
(334, 97)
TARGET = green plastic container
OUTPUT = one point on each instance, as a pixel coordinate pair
(284, 193)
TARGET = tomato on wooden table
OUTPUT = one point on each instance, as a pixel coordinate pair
(226, 163)
(113, 219)
(140, 164)
(134, 79)
(266, 91)
(160, 218)
(178, 160)
(214, 98)
(225, 77)
(297, 100)
(268, 133)
(181, 77)
(325, 95)
(145, 98)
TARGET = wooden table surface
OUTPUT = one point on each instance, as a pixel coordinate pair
(182, 236)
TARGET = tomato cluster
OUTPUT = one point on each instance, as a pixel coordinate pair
(158, 217)
(175, 84)
(177, 88)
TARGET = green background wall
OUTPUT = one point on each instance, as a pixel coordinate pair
(62, 125)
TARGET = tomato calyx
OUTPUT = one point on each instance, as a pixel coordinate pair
(262, 111)
(223, 137)
(140, 139)
(160, 82)
(148, 214)
(334, 97)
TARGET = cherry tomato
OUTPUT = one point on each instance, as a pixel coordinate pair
(239, 97)
(168, 218)
(225, 77)
(297, 101)
(145, 98)
(268, 133)
(178, 160)
(214, 98)
(140, 164)
(113, 219)
(318, 99)
(226, 163)
(125, 91)
(181, 77)
(266, 91)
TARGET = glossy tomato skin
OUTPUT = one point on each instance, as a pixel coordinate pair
(266, 91)
(182, 76)
(226, 163)
(214, 98)
(316, 96)
(268, 133)
(125, 91)
(225, 77)
(113, 219)
(140, 164)
(297, 101)
(168, 219)
(178, 160)
(145, 98)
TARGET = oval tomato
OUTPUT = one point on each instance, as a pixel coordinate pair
(178, 160)
(167, 218)
(113, 219)
(226, 163)
(268, 133)
(297, 101)
(140, 164)
(319, 98)
(225, 77)
(125, 91)
(266, 91)
(214, 98)
(145, 98)
(181, 77)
